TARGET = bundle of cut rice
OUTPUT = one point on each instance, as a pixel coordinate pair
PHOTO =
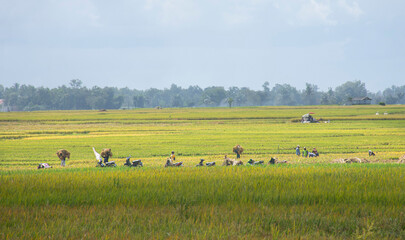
(350, 160)
(339, 160)
(106, 153)
(238, 149)
(62, 154)
(402, 159)
(237, 163)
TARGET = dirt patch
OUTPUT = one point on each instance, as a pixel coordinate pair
(402, 159)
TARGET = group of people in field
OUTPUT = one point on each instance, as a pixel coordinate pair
(314, 153)
(106, 153)
(306, 153)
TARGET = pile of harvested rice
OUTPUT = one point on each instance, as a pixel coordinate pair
(231, 162)
(350, 160)
(402, 159)
(238, 149)
(106, 153)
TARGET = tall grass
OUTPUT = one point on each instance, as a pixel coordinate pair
(322, 201)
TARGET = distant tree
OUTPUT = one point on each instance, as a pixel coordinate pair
(75, 96)
(265, 86)
(394, 95)
(139, 101)
(191, 96)
(78, 95)
(177, 101)
(285, 94)
(111, 101)
(328, 98)
(310, 94)
(233, 92)
(153, 97)
(1, 91)
(43, 98)
(265, 94)
(253, 98)
(75, 83)
(214, 94)
(229, 100)
(11, 99)
(350, 89)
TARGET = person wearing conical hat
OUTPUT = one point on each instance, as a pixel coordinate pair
(297, 150)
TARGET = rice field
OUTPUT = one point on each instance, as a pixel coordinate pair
(307, 198)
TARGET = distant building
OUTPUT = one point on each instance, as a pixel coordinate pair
(361, 101)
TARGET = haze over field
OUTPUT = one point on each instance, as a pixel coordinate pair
(154, 43)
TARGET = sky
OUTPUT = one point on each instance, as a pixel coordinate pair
(144, 44)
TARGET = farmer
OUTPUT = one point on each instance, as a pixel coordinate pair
(370, 153)
(305, 152)
(238, 149)
(106, 154)
(297, 150)
(314, 153)
(62, 155)
(173, 157)
(227, 161)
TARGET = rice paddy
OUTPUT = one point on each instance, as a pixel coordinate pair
(305, 198)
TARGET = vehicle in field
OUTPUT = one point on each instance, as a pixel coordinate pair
(307, 118)
(107, 164)
(253, 162)
(170, 163)
(134, 163)
(100, 161)
(208, 164)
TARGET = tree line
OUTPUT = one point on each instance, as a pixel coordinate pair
(76, 96)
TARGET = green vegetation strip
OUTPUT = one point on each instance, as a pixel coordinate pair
(287, 202)
(306, 184)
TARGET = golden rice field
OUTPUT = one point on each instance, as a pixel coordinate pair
(307, 198)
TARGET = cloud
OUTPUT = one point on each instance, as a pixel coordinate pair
(352, 9)
(172, 12)
(316, 12)
(238, 15)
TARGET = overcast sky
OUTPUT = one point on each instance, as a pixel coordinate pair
(153, 43)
